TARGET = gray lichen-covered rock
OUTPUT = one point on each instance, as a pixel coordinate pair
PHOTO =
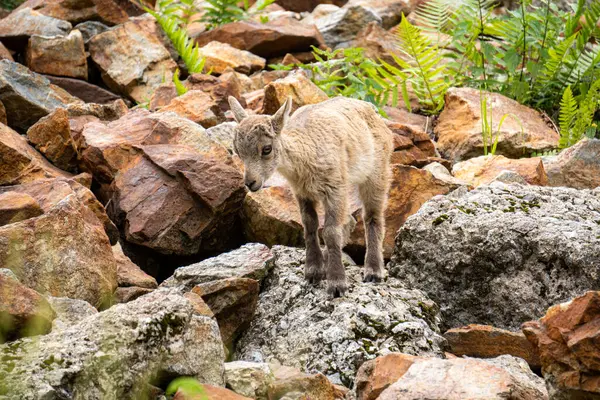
(249, 379)
(501, 254)
(69, 311)
(298, 326)
(341, 27)
(249, 261)
(115, 354)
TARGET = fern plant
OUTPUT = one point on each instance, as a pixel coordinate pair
(577, 120)
(179, 87)
(347, 72)
(423, 66)
(221, 12)
(184, 45)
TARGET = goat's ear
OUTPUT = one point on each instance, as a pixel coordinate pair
(281, 116)
(236, 108)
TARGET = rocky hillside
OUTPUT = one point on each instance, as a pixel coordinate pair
(135, 264)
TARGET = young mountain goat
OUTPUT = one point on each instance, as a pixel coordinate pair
(323, 150)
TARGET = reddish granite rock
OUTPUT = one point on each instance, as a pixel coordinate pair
(577, 167)
(23, 312)
(295, 85)
(567, 338)
(196, 106)
(15, 207)
(482, 170)
(483, 341)
(58, 55)
(129, 274)
(277, 37)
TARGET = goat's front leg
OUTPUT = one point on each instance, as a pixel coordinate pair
(335, 212)
(314, 272)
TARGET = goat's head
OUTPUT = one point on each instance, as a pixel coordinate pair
(258, 142)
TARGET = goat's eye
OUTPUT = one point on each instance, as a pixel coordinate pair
(266, 150)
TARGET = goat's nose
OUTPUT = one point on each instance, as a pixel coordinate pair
(249, 185)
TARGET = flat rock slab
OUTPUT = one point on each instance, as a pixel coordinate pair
(297, 325)
(501, 254)
(25, 22)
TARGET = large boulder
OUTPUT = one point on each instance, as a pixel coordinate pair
(58, 55)
(298, 326)
(577, 167)
(64, 252)
(567, 338)
(176, 200)
(23, 312)
(20, 162)
(28, 96)
(277, 37)
(501, 378)
(132, 58)
(25, 22)
(483, 170)
(118, 352)
(501, 254)
(459, 129)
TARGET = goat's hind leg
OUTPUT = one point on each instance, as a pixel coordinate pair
(335, 213)
(314, 271)
(373, 197)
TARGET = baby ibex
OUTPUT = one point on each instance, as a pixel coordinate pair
(323, 150)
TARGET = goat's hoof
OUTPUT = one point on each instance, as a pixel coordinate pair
(337, 288)
(372, 277)
(314, 277)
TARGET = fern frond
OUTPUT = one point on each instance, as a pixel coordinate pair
(435, 15)
(425, 66)
(184, 45)
(568, 111)
(181, 89)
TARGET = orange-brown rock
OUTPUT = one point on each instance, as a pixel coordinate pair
(49, 192)
(5, 54)
(374, 376)
(58, 55)
(484, 341)
(83, 90)
(577, 167)
(482, 170)
(501, 378)
(566, 338)
(298, 87)
(132, 58)
(129, 274)
(111, 12)
(292, 383)
(378, 43)
(23, 312)
(51, 136)
(15, 207)
(219, 88)
(277, 37)
(20, 162)
(196, 106)
(220, 56)
(162, 96)
(177, 200)
(412, 144)
(210, 393)
(64, 253)
(410, 189)
(459, 130)
(233, 302)
(271, 216)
